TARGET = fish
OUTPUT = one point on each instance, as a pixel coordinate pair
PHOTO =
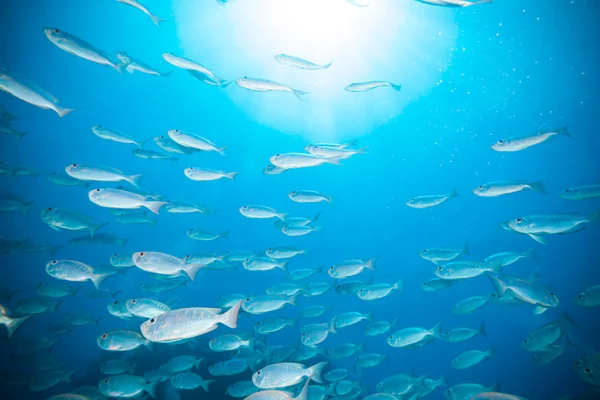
(229, 300)
(189, 381)
(152, 155)
(378, 291)
(273, 170)
(12, 324)
(182, 363)
(495, 189)
(264, 264)
(261, 212)
(37, 305)
(118, 308)
(315, 334)
(266, 303)
(414, 337)
(7, 128)
(309, 196)
(230, 367)
(370, 85)
(171, 146)
(589, 297)
(55, 290)
(272, 325)
(539, 226)
(525, 291)
(100, 174)
(350, 268)
(122, 260)
(59, 219)
(302, 273)
(465, 269)
(431, 200)
(181, 207)
(242, 389)
(549, 333)
(313, 311)
(316, 288)
(198, 71)
(75, 271)
(80, 48)
(495, 395)
(127, 386)
(134, 64)
(116, 136)
(587, 368)
(469, 305)
(136, 4)
(552, 352)
(466, 391)
(507, 258)
(160, 287)
(263, 85)
(164, 264)
(462, 334)
(5, 115)
(146, 308)
(195, 141)
(10, 202)
(203, 174)
(198, 234)
(345, 350)
(284, 252)
(581, 192)
(379, 327)
(370, 360)
(48, 379)
(287, 374)
(116, 366)
(350, 318)
(136, 219)
(299, 230)
(523, 142)
(122, 340)
(333, 152)
(279, 394)
(301, 160)
(454, 3)
(472, 357)
(435, 284)
(295, 62)
(30, 93)
(123, 199)
(296, 221)
(186, 323)
(231, 342)
(285, 288)
(65, 180)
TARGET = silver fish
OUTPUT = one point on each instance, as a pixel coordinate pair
(295, 62)
(136, 4)
(494, 189)
(263, 85)
(115, 135)
(370, 85)
(431, 200)
(117, 198)
(524, 142)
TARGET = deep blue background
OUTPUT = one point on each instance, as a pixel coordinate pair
(518, 66)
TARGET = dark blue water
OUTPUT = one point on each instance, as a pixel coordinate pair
(516, 67)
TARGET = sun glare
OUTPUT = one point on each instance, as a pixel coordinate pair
(404, 42)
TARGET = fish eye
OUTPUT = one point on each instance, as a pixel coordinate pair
(425, 251)
(133, 301)
(97, 190)
(153, 320)
(480, 187)
(331, 268)
(566, 190)
(106, 381)
(519, 220)
(104, 336)
(304, 335)
(213, 340)
(581, 296)
(551, 293)
(55, 30)
(248, 299)
(142, 254)
(54, 262)
(526, 341)
(362, 290)
(259, 373)
(500, 141)
(587, 370)
(578, 363)
(74, 165)
(116, 303)
(440, 268)
(366, 328)
(277, 155)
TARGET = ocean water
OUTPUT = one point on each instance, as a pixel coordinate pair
(470, 77)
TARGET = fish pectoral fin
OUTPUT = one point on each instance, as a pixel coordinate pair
(539, 239)
(539, 310)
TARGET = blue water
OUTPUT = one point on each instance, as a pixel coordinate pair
(517, 67)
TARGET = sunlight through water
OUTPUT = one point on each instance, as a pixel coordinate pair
(404, 42)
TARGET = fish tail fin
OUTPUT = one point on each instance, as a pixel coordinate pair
(221, 150)
(569, 342)
(224, 234)
(436, 331)
(94, 228)
(294, 299)
(465, 250)
(19, 135)
(191, 270)
(443, 381)
(482, 331)
(300, 94)
(157, 20)
(56, 305)
(28, 207)
(594, 217)
(151, 388)
(68, 376)
(304, 393)
(284, 265)
(124, 242)
(198, 362)
(530, 253)
(166, 74)
(155, 206)
(369, 316)
(13, 324)
(396, 87)
(566, 320)
(332, 325)
(492, 352)
(372, 264)
(333, 160)
(398, 285)
(564, 131)
(316, 370)
(394, 321)
(97, 279)
(538, 187)
(230, 317)
(120, 67)
(330, 199)
(64, 111)
(206, 383)
(231, 175)
(454, 193)
(134, 179)
(327, 65)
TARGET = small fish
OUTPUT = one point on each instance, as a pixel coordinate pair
(80, 48)
(264, 264)
(287, 374)
(136, 4)
(37, 305)
(122, 260)
(309, 196)
(134, 64)
(345, 350)
(146, 308)
(549, 333)
(48, 379)
(186, 323)
(431, 200)
(182, 364)
(490, 395)
(295, 230)
(465, 269)
(189, 139)
(495, 189)
(284, 252)
(181, 207)
(313, 311)
(351, 268)
(229, 300)
(335, 375)
(127, 386)
(242, 389)
(581, 192)
(198, 71)
(378, 291)
(5, 115)
(370, 85)
(316, 288)
(273, 170)
(153, 155)
(455, 3)
(301, 160)
(99, 238)
(435, 284)
(539, 226)
(333, 152)
(231, 342)
(296, 221)
(315, 334)
(169, 145)
(414, 337)
(472, 357)
(100, 174)
(115, 135)
(351, 318)
(295, 62)
(469, 305)
(267, 303)
(285, 288)
(524, 142)
(261, 212)
(263, 85)
(116, 366)
(190, 381)
(75, 271)
(552, 352)
(54, 290)
(118, 308)
(462, 334)
(7, 128)
(198, 234)
(123, 199)
(302, 273)
(136, 219)
(30, 93)
(507, 258)
(271, 325)
(525, 291)
(203, 175)
(122, 340)
(65, 180)
(590, 297)
(164, 264)
(370, 360)
(465, 391)
(10, 202)
(379, 327)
